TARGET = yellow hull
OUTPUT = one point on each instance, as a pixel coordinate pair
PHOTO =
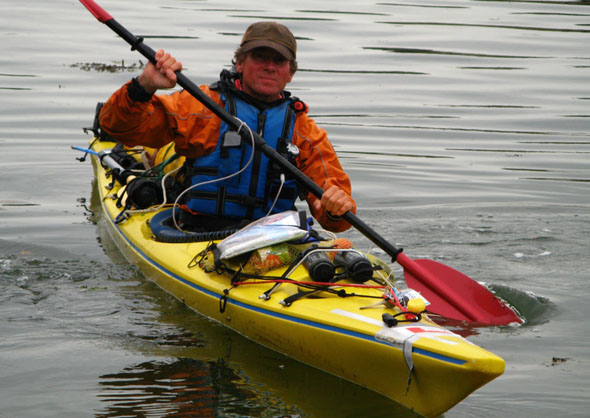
(330, 333)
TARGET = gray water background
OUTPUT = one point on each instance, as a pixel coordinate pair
(464, 126)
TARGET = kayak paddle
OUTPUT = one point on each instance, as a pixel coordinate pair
(451, 293)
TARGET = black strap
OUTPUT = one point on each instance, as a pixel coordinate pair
(221, 192)
(222, 196)
(205, 171)
(137, 93)
(288, 301)
(288, 121)
(231, 103)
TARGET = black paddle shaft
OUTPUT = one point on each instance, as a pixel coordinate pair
(138, 44)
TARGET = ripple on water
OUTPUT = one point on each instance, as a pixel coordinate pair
(534, 309)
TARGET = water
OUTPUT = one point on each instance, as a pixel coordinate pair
(463, 124)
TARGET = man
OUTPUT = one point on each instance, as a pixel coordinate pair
(264, 64)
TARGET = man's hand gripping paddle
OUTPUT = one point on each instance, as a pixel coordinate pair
(452, 294)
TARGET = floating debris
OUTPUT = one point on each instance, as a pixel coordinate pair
(559, 360)
(115, 67)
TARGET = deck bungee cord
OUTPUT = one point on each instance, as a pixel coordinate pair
(308, 253)
(332, 285)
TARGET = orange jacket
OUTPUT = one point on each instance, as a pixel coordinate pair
(181, 118)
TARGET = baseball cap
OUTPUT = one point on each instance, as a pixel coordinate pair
(271, 35)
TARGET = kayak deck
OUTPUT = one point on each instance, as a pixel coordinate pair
(418, 364)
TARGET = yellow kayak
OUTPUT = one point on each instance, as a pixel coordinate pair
(357, 331)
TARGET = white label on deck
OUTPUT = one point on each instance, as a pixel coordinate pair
(358, 317)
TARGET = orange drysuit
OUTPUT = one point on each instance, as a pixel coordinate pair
(194, 129)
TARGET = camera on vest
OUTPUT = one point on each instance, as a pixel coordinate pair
(288, 151)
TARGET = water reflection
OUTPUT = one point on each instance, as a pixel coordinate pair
(359, 13)
(170, 37)
(425, 6)
(512, 27)
(174, 388)
(449, 53)
(310, 70)
(283, 18)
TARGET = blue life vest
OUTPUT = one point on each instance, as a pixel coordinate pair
(250, 194)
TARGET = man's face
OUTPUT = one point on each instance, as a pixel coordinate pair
(265, 73)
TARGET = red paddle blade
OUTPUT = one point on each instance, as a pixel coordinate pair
(454, 295)
(97, 11)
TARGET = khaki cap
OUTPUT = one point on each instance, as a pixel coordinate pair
(271, 35)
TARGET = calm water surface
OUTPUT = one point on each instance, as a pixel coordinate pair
(463, 124)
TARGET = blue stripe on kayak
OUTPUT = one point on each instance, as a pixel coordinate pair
(276, 314)
(438, 356)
